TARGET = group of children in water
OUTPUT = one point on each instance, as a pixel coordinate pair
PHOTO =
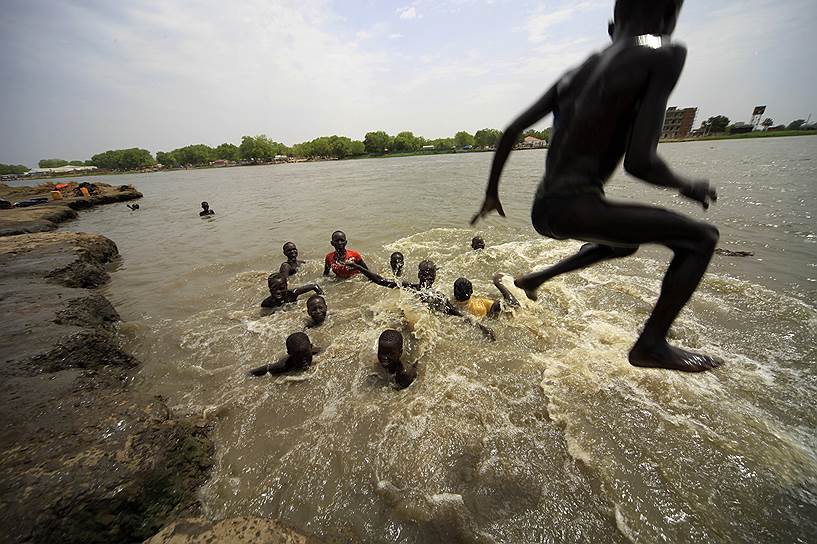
(346, 263)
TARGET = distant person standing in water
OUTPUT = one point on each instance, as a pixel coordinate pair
(205, 210)
(612, 107)
(292, 263)
(336, 260)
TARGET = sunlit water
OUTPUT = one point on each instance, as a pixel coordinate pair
(547, 435)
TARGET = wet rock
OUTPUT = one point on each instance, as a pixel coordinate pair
(82, 457)
(228, 531)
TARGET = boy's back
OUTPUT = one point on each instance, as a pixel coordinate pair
(596, 107)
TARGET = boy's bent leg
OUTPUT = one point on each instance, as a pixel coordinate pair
(693, 243)
(588, 254)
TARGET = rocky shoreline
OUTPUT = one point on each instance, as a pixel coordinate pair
(83, 456)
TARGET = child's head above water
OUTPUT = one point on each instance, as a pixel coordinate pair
(463, 289)
(389, 348)
(277, 283)
(396, 262)
(426, 273)
(299, 347)
(316, 309)
(477, 243)
(290, 251)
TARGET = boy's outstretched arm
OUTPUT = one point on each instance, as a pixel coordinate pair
(298, 291)
(507, 295)
(542, 107)
(374, 278)
(486, 331)
(641, 159)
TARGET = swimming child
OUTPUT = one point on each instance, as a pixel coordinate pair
(477, 243)
(280, 295)
(480, 306)
(335, 260)
(612, 107)
(205, 210)
(292, 263)
(389, 352)
(316, 310)
(299, 356)
(396, 262)
(435, 300)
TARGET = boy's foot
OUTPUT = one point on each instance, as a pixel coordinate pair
(530, 291)
(662, 355)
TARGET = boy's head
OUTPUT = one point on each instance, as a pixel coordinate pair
(477, 243)
(646, 16)
(427, 273)
(277, 283)
(316, 309)
(290, 251)
(463, 289)
(299, 347)
(339, 240)
(205, 206)
(389, 348)
(396, 262)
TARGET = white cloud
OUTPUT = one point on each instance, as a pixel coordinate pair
(543, 19)
(395, 36)
(407, 12)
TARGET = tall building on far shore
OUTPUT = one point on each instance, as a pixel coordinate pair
(678, 122)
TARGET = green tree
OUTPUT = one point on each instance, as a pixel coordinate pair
(167, 159)
(76, 163)
(227, 152)
(715, 124)
(196, 154)
(443, 144)
(462, 139)
(123, 159)
(13, 169)
(377, 142)
(260, 148)
(52, 163)
(406, 141)
(797, 124)
(767, 122)
(487, 137)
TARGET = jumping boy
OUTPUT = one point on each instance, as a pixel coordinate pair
(316, 310)
(389, 352)
(292, 263)
(335, 261)
(481, 307)
(280, 295)
(609, 108)
(299, 356)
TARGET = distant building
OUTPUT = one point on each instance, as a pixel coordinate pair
(678, 122)
(532, 142)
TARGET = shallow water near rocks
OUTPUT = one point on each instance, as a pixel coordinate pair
(547, 435)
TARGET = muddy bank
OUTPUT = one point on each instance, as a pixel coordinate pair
(84, 459)
(45, 217)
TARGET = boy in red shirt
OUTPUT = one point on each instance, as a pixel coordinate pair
(335, 260)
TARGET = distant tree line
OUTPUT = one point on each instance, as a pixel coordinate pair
(719, 124)
(13, 169)
(262, 148)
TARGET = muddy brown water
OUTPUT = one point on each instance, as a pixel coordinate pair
(547, 435)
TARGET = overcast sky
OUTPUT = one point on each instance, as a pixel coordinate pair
(81, 77)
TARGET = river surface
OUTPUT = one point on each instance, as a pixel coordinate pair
(546, 435)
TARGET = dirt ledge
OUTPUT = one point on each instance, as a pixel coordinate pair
(82, 457)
